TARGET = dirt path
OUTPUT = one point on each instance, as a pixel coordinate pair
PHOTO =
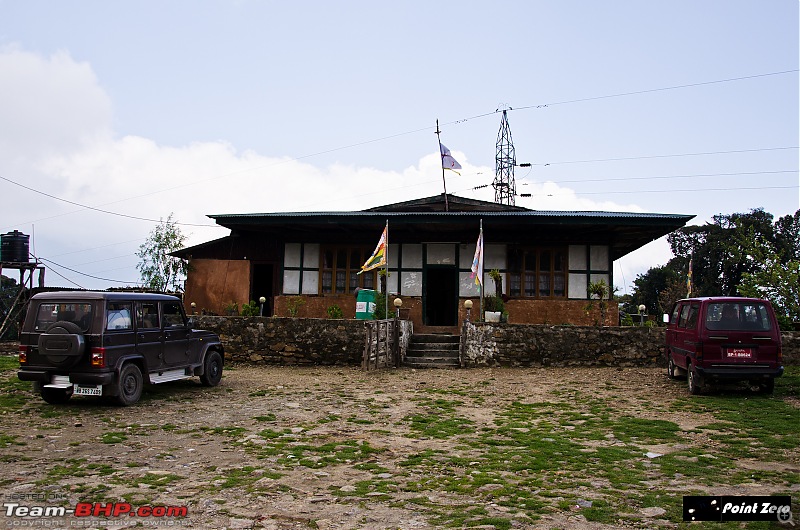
(338, 448)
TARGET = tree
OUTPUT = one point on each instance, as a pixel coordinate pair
(778, 277)
(159, 270)
(719, 250)
(649, 286)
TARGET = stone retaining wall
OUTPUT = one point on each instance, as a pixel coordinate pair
(288, 341)
(295, 341)
(538, 345)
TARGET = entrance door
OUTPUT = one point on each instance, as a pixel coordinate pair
(262, 285)
(441, 295)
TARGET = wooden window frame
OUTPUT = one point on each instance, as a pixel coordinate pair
(538, 273)
(350, 269)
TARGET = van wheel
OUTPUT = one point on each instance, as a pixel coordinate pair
(767, 387)
(212, 369)
(130, 385)
(671, 369)
(56, 396)
(694, 380)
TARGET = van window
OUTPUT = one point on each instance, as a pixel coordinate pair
(738, 316)
(684, 316)
(675, 312)
(691, 320)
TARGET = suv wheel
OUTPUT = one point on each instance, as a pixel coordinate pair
(694, 380)
(56, 396)
(212, 369)
(130, 385)
(768, 386)
(62, 343)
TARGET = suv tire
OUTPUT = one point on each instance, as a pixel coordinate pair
(212, 369)
(64, 349)
(129, 385)
(672, 370)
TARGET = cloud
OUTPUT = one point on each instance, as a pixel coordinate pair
(58, 138)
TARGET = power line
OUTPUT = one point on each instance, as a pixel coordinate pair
(98, 209)
(698, 175)
(82, 274)
(666, 156)
(756, 188)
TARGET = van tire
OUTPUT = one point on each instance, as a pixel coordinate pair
(129, 385)
(694, 380)
(672, 370)
(768, 386)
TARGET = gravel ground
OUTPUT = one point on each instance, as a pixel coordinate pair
(214, 450)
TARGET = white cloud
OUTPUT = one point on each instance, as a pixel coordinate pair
(57, 137)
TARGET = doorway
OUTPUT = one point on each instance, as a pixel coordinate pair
(262, 285)
(441, 296)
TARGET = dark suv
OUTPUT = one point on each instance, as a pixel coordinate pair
(724, 338)
(112, 343)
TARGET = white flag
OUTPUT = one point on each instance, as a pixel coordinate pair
(477, 262)
(448, 162)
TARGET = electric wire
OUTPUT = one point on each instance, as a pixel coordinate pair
(83, 274)
(665, 156)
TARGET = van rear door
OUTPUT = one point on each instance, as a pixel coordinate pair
(740, 333)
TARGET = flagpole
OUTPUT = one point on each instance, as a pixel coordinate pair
(444, 181)
(386, 272)
(480, 268)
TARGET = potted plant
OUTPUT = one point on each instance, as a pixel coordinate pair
(493, 307)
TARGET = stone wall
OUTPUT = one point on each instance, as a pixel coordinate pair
(288, 341)
(535, 345)
(297, 341)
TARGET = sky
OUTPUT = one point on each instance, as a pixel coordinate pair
(115, 115)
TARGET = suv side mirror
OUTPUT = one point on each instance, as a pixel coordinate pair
(666, 318)
(190, 323)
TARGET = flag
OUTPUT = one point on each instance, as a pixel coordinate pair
(477, 262)
(689, 280)
(378, 258)
(448, 162)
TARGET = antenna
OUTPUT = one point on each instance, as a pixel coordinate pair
(505, 189)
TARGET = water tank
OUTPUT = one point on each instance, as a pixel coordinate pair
(14, 247)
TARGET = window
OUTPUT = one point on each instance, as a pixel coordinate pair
(118, 316)
(147, 315)
(49, 313)
(537, 272)
(339, 268)
(173, 316)
(739, 316)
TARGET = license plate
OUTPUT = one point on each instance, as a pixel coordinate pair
(87, 390)
(740, 353)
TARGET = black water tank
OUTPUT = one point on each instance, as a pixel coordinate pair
(14, 247)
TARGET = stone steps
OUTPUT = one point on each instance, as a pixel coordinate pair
(433, 351)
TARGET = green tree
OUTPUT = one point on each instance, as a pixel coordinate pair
(720, 250)
(778, 277)
(648, 287)
(159, 270)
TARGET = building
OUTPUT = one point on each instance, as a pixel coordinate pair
(310, 261)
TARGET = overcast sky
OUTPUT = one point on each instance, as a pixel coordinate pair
(143, 109)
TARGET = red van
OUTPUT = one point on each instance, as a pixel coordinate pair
(724, 338)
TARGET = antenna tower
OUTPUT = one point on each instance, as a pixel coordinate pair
(505, 189)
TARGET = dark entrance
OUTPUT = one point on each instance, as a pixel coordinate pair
(441, 296)
(262, 285)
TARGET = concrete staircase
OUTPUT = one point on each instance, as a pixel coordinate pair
(433, 351)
